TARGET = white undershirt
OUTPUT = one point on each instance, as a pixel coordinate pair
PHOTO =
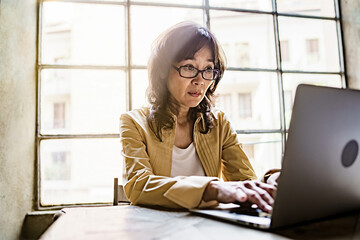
(185, 162)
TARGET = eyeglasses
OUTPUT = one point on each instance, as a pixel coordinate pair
(189, 71)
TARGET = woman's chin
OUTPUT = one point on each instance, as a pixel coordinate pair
(195, 104)
(192, 104)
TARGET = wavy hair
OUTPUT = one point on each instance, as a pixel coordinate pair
(178, 43)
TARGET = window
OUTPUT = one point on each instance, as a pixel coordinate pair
(92, 67)
(288, 104)
(59, 115)
(223, 102)
(245, 106)
(249, 149)
(288, 100)
(58, 168)
(242, 51)
(237, 53)
(312, 50)
(285, 51)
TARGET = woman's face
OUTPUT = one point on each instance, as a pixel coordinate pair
(189, 92)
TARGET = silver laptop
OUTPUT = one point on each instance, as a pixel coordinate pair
(321, 166)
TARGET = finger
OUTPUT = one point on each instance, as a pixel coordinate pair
(271, 189)
(240, 195)
(264, 195)
(261, 188)
(268, 187)
(254, 197)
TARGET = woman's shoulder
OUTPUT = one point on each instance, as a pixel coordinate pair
(221, 121)
(218, 115)
(139, 115)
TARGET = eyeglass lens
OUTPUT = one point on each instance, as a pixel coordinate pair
(208, 74)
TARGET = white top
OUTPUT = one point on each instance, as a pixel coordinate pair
(185, 162)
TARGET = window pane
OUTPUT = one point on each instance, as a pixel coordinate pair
(264, 5)
(312, 44)
(182, 2)
(285, 51)
(307, 7)
(247, 39)
(82, 101)
(145, 30)
(291, 81)
(249, 99)
(139, 84)
(78, 33)
(263, 151)
(59, 115)
(79, 170)
(245, 105)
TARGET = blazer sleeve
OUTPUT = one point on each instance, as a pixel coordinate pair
(235, 164)
(142, 186)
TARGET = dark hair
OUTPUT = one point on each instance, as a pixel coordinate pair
(177, 43)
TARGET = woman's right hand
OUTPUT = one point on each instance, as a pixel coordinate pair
(254, 192)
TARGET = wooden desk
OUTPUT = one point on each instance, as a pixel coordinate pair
(133, 222)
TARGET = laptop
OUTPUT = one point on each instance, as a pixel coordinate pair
(321, 165)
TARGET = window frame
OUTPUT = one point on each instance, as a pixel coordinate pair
(128, 67)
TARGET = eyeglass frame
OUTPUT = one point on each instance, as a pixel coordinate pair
(217, 71)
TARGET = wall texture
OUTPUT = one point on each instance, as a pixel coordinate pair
(17, 113)
(350, 12)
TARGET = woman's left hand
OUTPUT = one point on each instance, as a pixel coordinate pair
(273, 179)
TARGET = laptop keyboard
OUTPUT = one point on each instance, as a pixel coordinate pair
(250, 211)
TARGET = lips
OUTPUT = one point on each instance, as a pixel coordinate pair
(195, 94)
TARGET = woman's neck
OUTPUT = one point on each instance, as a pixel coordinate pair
(182, 116)
(184, 129)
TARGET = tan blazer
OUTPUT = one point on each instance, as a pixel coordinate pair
(148, 161)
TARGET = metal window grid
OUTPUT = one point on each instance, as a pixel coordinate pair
(128, 67)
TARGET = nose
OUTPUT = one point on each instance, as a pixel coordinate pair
(198, 80)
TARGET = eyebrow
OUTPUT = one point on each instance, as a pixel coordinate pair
(209, 60)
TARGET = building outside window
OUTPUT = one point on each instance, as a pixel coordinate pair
(224, 103)
(59, 115)
(245, 106)
(59, 167)
(92, 67)
(242, 53)
(312, 50)
(285, 51)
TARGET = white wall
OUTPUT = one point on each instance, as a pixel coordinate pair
(17, 113)
(350, 10)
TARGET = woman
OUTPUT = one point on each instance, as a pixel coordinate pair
(178, 150)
